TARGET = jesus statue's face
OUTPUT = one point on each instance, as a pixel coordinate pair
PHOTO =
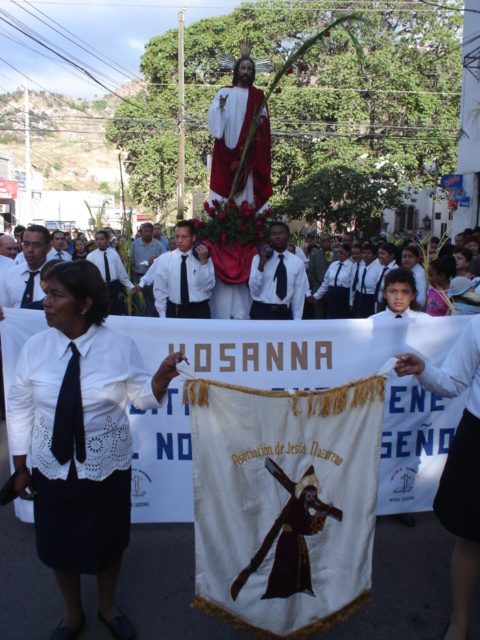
(245, 73)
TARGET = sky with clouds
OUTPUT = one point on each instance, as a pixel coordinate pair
(106, 37)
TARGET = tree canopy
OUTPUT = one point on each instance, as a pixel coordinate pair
(345, 137)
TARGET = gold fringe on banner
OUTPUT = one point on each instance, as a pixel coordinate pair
(301, 634)
(322, 403)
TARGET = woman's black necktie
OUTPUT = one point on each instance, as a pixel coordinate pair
(68, 425)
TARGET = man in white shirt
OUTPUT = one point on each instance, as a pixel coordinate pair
(184, 281)
(113, 272)
(57, 252)
(277, 279)
(144, 251)
(22, 287)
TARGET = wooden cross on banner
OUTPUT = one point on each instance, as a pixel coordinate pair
(261, 554)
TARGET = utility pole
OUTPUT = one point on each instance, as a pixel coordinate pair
(28, 165)
(181, 118)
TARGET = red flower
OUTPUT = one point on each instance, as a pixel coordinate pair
(245, 214)
(257, 223)
(224, 237)
(245, 205)
(206, 206)
(233, 206)
(211, 212)
(278, 90)
(290, 70)
(216, 203)
(260, 234)
(243, 227)
(222, 216)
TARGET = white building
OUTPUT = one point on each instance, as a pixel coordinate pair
(68, 209)
(467, 213)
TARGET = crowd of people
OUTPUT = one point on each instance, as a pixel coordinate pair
(72, 418)
(341, 276)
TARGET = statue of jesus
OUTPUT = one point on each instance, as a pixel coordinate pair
(229, 118)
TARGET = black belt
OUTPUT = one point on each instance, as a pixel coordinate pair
(183, 307)
(273, 307)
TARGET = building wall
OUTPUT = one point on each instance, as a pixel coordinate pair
(469, 144)
(61, 207)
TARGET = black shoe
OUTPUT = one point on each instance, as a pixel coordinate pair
(406, 519)
(120, 627)
(65, 633)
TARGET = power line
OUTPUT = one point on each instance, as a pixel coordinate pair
(89, 50)
(70, 62)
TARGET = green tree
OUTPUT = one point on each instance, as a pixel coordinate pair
(392, 120)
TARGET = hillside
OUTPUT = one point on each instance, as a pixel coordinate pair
(67, 138)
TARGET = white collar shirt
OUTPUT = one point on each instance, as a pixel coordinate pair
(342, 274)
(421, 284)
(53, 254)
(14, 286)
(166, 284)
(384, 270)
(263, 286)
(117, 270)
(111, 372)
(389, 315)
(368, 284)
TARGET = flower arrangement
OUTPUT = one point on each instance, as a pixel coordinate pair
(230, 223)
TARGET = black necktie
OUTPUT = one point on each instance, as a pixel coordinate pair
(184, 297)
(337, 274)
(68, 424)
(60, 256)
(28, 293)
(355, 280)
(108, 277)
(399, 315)
(281, 278)
(379, 283)
(362, 285)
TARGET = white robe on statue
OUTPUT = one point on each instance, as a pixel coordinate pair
(231, 301)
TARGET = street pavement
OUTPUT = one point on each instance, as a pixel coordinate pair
(410, 592)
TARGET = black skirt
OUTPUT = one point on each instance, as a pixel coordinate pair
(82, 526)
(457, 501)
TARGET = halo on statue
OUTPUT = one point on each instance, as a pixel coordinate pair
(227, 63)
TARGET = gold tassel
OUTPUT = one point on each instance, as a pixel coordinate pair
(322, 403)
(301, 634)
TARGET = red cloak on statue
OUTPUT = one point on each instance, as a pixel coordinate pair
(258, 159)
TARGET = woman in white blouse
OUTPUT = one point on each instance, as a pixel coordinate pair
(81, 492)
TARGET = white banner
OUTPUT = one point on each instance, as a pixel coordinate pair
(285, 502)
(418, 425)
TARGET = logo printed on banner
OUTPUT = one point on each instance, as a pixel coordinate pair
(404, 482)
(140, 482)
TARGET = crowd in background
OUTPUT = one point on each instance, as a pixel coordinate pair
(345, 276)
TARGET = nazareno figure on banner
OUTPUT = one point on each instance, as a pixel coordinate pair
(291, 571)
(229, 118)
